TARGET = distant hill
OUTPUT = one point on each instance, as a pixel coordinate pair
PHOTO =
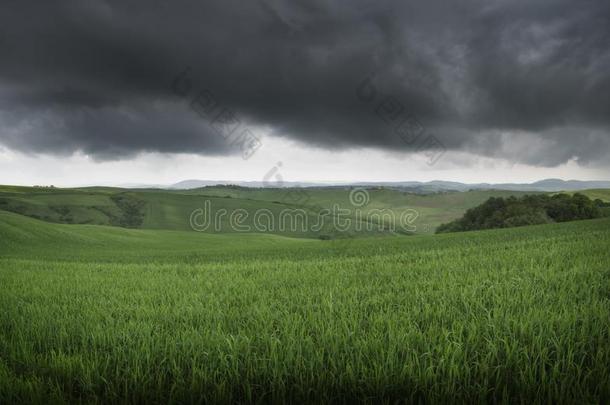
(549, 185)
(413, 186)
(171, 209)
(191, 184)
(542, 185)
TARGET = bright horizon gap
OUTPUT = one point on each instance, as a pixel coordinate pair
(279, 160)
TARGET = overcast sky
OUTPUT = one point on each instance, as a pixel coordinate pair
(125, 91)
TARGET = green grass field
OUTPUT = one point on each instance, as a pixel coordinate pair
(105, 314)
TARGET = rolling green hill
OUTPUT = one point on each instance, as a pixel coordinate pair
(21, 236)
(601, 193)
(100, 314)
(172, 209)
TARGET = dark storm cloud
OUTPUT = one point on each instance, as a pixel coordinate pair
(528, 81)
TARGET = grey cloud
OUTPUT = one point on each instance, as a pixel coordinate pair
(500, 78)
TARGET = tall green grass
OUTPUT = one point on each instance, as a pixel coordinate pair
(100, 314)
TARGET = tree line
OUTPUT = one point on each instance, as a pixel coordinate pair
(499, 212)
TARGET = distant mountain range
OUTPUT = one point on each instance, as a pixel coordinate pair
(415, 186)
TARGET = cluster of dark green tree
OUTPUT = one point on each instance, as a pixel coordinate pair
(498, 212)
(132, 210)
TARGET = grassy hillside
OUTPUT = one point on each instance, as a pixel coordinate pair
(602, 194)
(22, 237)
(106, 314)
(165, 209)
